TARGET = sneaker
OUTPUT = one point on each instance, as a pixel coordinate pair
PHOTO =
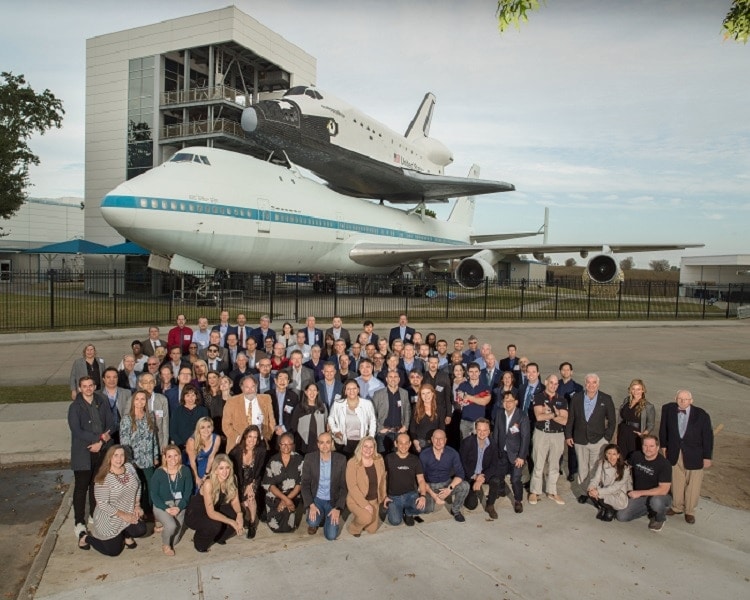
(79, 529)
(655, 525)
(459, 517)
(556, 498)
(408, 521)
(533, 498)
(491, 511)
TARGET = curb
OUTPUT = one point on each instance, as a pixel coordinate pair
(19, 459)
(36, 572)
(730, 374)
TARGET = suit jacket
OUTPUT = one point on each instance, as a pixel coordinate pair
(357, 481)
(522, 396)
(494, 380)
(343, 335)
(148, 349)
(516, 441)
(223, 357)
(79, 369)
(490, 459)
(248, 334)
(601, 424)
(252, 359)
(698, 442)
(180, 337)
(337, 389)
(234, 418)
(307, 377)
(291, 400)
(316, 338)
(229, 329)
(380, 402)
(258, 335)
(374, 337)
(395, 334)
(82, 434)
(506, 366)
(311, 479)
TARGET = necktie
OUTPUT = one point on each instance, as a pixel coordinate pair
(681, 422)
(682, 411)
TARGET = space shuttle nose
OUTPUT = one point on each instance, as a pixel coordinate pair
(249, 120)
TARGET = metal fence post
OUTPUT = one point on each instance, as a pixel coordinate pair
(648, 302)
(619, 300)
(271, 294)
(729, 296)
(51, 277)
(677, 303)
(363, 287)
(557, 297)
(703, 315)
(588, 303)
(486, 294)
(523, 290)
(114, 297)
(335, 294)
(296, 297)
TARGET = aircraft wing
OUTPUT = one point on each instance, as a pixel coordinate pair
(383, 255)
(439, 188)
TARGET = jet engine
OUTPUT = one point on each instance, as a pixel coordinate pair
(473, 270)
(603, 268)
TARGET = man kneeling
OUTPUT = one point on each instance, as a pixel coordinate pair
(407, 488)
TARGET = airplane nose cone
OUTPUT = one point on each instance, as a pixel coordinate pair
(249, 120)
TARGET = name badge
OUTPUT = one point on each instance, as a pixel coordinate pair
(514, 429)
(187, 337)
(178, 495)
(398, 404)
(288, 409)
(159, 414)
(337, 397)
(439, 388)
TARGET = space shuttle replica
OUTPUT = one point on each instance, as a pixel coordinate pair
(207, 208)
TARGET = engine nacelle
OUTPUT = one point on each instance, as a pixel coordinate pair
(603, 268)
(472, 271)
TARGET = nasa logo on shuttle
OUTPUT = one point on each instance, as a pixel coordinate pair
(397, 158)
(333, 127)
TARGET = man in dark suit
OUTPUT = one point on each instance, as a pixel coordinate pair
(372, 338)
(223, 327)
(510, 362)
(243, 330)
(488, 472)
(261, 333)
(511, 436)
(338, 332)
(402, 331)
(330, 387)
(318, 508)
(217, 359)
(591, 425)
(687, 440)
(253, 354)
(313, 335)
(284, 401)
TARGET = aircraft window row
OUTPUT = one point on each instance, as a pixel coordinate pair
(197, 207)
(188, 157)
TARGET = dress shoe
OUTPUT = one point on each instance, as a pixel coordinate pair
(601, 512)
(609, 514)
(312, 530)
(459, 517)
(672, 513)
(418, 519)
(572, 477)
(582, 499)
(408, 521)
(518, 507)
(132, 545)
(533, 498)
(252, 529)
(491, 511)
(689, 519)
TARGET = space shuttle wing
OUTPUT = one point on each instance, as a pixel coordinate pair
(383, 255)
(439, 188)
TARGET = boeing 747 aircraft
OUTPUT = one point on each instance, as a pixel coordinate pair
(228, 211)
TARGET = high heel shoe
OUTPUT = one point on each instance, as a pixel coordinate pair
(132, 545)
(609, 513)
(83, 543)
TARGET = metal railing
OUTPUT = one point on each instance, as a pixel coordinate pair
(31, 301)
(202, 128)
(206, 94)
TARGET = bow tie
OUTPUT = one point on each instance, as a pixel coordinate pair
(682, 411)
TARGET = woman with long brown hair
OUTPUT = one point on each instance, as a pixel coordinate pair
(609, 486)
(425, 418)
(118, 514)
(138, 437)
(249, 458)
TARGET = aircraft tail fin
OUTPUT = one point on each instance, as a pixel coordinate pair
(420, 124)
(462, 214)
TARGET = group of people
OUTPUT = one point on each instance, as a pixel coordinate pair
(208, 431)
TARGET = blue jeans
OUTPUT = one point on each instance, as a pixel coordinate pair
(653, 506)
(330, 531)
(405, 504)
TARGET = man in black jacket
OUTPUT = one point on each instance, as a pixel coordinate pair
(478, 472)
(320, 480)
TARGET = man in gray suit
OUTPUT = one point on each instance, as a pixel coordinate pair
(299, 376)
(512, 435)
(392, 411)
(324, 488)
(591, 425)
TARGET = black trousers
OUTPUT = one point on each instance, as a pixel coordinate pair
(84, 484)
(472, 499)
(114, 546)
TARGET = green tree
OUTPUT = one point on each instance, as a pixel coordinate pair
(23, 113)
(736, 24)
(659, 265)
(626, 264)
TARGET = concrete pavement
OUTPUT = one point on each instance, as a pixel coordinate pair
(547, 551)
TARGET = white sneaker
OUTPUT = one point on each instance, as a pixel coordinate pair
(79, 529)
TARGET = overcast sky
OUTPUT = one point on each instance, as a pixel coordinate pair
(628, 119)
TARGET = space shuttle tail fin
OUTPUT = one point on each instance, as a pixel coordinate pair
(420, 124)
(462, 214)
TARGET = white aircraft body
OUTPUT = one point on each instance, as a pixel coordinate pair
(357, 155)
(229, 211)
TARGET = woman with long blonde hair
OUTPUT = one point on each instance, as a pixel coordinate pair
(215, 513)
(201, 449)
(171, 489)
(365, 482)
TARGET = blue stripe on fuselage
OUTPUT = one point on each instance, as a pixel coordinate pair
(272, 216)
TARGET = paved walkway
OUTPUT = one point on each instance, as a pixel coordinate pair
(548, 551)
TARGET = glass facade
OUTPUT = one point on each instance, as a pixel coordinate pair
(141, 110)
